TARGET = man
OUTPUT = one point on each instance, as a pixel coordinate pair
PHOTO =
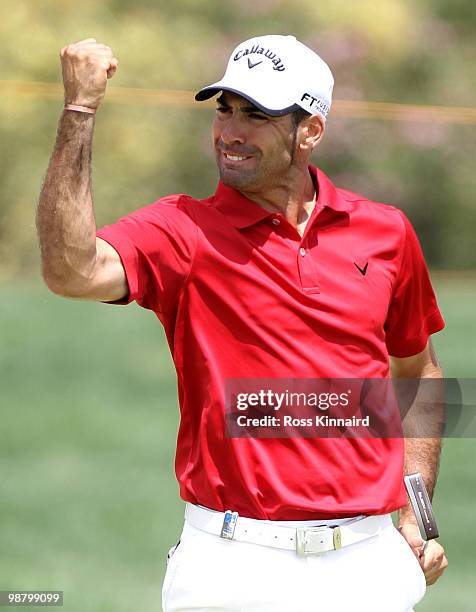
(279, 275)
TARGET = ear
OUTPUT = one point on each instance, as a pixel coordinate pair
(313, 129)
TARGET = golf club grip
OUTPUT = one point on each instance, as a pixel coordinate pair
(421, 506)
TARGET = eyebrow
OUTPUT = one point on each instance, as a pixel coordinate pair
(246, 109)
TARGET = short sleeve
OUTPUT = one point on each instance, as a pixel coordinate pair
(413, 314)
(156, 245)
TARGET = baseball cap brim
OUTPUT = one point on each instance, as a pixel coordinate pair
(212, 90)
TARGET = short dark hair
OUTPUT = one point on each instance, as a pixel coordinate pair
(299, 115)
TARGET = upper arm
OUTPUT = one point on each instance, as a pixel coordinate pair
(424, 363)
(103, 280)
(109, 282)
(146, 256)
(413, 313)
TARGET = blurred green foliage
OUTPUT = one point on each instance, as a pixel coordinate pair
(391, 50)
(89, 503)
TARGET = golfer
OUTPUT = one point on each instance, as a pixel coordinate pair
(278, 275)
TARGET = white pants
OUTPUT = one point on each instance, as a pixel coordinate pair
(208, 573)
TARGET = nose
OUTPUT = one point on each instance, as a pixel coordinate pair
(233, 131)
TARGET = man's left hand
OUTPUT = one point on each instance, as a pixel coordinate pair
(433, 560)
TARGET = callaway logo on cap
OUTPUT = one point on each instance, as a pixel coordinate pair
(278, 74)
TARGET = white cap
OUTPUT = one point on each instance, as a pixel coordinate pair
(278, 74)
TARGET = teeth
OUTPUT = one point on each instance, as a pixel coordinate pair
(235, 157)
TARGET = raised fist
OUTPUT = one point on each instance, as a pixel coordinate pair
(86, 66)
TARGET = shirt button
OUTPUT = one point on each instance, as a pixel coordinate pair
(302, 251)
(276, 221)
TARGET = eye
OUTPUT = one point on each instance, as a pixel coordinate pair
(221, 110)
(258, 116)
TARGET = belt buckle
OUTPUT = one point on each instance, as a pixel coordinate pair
(317, 540)
(229, 523)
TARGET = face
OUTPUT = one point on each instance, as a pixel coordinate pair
(253, 150)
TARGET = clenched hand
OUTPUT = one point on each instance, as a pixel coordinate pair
(86, 66)
(433, 561)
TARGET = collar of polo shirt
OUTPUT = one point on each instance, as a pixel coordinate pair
(242, 212)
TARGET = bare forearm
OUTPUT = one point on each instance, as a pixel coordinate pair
(65, 218)
(422, 454)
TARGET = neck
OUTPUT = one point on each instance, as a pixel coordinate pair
(294, 198)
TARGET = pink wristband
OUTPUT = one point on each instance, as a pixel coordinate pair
(80, 109)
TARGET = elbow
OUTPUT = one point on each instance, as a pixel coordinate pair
(55, 284)
(62, 286)
(51, 280)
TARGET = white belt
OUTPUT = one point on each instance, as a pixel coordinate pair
(305, 541)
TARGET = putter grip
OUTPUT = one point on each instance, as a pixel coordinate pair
(421, 506)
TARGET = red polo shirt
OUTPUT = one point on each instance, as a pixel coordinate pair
(242, 295)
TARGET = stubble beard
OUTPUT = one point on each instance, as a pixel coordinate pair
(239, 179)
(264, 174)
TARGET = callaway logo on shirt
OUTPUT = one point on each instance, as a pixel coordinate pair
(362, 270)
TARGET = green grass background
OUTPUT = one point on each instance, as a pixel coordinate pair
(89, 503)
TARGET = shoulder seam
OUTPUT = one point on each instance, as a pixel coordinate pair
(365, 200)
(402, 248)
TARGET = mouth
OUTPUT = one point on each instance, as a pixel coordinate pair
(236, 157)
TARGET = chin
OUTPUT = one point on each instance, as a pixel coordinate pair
(236, 179)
